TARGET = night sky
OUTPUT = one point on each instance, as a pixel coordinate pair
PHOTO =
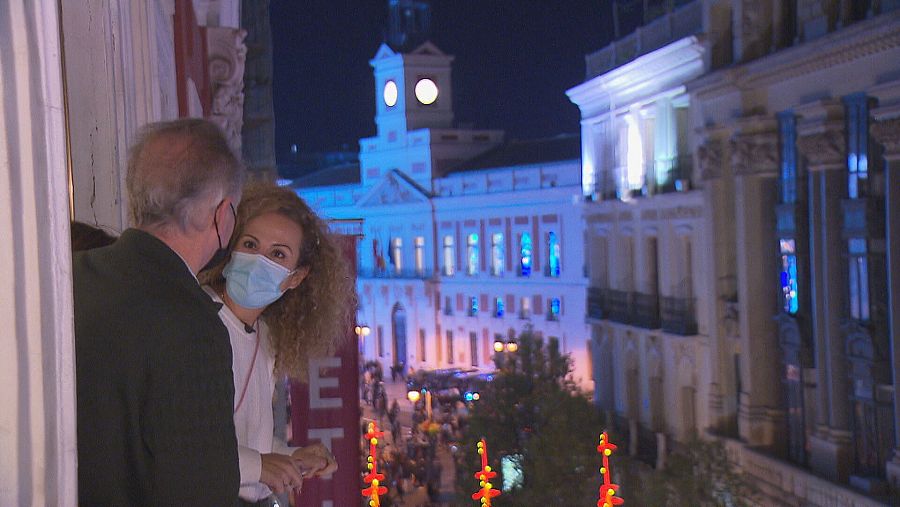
(514, 61)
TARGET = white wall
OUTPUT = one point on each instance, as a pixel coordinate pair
(37, 423)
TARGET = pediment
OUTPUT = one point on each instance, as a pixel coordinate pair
(427, 48)
(384, 51)
(395, 188)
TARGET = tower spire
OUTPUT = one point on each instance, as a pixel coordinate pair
(409, 24)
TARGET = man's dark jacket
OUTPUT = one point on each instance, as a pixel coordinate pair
(154, 383)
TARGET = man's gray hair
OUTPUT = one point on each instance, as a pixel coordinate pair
(178, 171)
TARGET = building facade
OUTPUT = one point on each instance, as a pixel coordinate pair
(778, 255)
(467, 240)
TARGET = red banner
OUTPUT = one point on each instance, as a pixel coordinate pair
(327, 410)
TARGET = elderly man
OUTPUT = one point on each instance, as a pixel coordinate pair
(153, 359)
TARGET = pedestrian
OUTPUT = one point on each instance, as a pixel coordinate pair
(153, 365)
(287, 299)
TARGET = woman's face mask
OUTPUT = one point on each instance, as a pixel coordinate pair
(253, 280)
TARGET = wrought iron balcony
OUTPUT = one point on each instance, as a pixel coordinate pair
(407, 274)
(595, 303)
(645, 310)
(617, 304)
(678, 315)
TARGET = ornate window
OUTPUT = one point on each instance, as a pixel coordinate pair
(397, 254)
(554, 309)
(497, 254)
(859, 279)
(472, 255)
(789, 291)
(525, 254)
(553, 255)
(420, 255)
(449, 256)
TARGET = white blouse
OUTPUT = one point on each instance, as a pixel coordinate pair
(253, 420)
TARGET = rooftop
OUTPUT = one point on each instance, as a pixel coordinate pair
(517, 153)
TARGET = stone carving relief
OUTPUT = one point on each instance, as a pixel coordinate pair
(227, 55)
(755, 154)
(709, 159)
(823, 149)
(392, 192)
(887, 133)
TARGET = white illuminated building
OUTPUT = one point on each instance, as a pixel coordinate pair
(466, 239)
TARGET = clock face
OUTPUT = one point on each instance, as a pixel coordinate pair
(426, 91)
(390, 93)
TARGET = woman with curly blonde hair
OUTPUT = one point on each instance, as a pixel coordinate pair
(287, 297)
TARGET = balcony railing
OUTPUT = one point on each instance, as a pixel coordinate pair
(595, 303)
(407, 274)
(681, 19)
(659, 177)
(645, 312)
(618, 305)
(678, 315)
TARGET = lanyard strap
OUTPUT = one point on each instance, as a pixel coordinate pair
(249, 373)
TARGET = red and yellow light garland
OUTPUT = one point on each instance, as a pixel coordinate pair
(373, 478)
(608, 490)
(486, 491)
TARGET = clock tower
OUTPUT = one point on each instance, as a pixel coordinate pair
(412, 90)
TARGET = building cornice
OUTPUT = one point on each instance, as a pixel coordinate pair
(648, 75)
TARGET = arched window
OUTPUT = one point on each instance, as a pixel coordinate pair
(553, 254)
(525, 254)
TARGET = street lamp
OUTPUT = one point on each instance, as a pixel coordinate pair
(362, 331)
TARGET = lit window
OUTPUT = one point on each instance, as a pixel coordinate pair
(472, 255)
(499, 307)
(497, 254)
(525, 308)
(553, 250)
(397, 254)
(449, 256)
(473, 306)
(634, 157)
(554, 309)
(859, 279)
(420, 255)
(790, 301)
(525, 252)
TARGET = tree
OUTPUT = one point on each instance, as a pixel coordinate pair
(534, 413)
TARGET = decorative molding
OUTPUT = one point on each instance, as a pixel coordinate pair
(755, 154)
(709, 159)
(681, 212)
(823, 150)
(227, 56)
(887, 133)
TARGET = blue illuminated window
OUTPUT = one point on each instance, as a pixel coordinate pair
(789, 291)
(857, 118)
(554, 309)
(788, 128)
(472, 255)
(525, 252)
(499, 307)
(473, 306)
(553, 254)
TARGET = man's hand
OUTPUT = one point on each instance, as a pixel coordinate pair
(280, 473)
(315, 460)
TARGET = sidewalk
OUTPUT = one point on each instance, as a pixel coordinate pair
(396, 390)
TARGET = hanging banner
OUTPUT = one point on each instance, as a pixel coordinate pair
(327, 410)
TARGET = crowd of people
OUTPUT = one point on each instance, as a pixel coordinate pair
(186, 321)
(410, 458)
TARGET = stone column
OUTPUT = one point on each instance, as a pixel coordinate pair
(713, 172)
(886, 131)
(227, 55)
(821, 142)
(754, 160)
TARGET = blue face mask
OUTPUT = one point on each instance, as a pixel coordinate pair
(253, 280)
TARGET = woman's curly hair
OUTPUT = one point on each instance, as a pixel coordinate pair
(313, 319)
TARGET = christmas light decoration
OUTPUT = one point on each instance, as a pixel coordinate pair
(373, 478)
(608, 490)
(484, 476)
